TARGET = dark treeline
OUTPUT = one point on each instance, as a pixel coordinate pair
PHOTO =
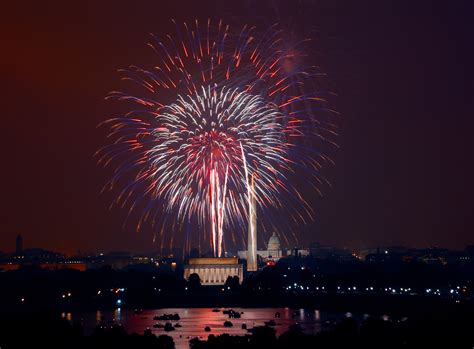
(31, 288)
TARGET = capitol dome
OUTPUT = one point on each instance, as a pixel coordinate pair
(273, 243)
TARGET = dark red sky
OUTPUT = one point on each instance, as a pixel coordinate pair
(402, 70)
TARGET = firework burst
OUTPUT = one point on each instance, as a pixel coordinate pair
(219, 107)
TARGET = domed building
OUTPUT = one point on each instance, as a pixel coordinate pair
(273, 251)
(273, 243)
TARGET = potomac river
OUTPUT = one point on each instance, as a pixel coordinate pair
(194, 320)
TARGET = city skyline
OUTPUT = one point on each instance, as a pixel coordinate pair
(263, 249)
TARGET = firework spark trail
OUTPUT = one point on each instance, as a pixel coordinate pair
(222, 213)
(219, 107)
(217, 201)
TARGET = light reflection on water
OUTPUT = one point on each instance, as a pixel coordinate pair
(194, 320)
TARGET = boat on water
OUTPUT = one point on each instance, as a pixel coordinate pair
(158, 325)
(169, 327)
(270, 323)
(228, 324)
(231, 313)
(207, 329)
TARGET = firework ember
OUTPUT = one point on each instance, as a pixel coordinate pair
(219, 107)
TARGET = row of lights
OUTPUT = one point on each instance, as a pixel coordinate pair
(296, 286)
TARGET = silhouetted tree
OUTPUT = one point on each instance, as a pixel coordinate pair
(194, 281)
(232, 282)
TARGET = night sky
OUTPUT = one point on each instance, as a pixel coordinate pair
(403, 72)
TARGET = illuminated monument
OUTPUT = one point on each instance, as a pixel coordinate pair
(273, 252)
(214, 271)
(252, 231)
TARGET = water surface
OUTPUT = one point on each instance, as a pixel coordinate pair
(194, 320)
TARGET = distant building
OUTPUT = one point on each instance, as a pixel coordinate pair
(299, 252)
(176, 253)
(74, 265)
(214, 271)
(363, 253)
(116, 260)
(273, 251)
(384, 257)
(36, 255)
(317, 250)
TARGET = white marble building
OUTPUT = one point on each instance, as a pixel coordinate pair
(273, 251)
(214, 271)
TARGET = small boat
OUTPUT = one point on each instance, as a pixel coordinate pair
(216, 310)
(270, 323)
(228, 324)
(169, 327)
(158, 325)
(234, 314)
(207, 329)
(167, 317)
(177, 325)
(244, 326)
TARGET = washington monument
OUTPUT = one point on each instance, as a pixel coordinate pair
(252, 232)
